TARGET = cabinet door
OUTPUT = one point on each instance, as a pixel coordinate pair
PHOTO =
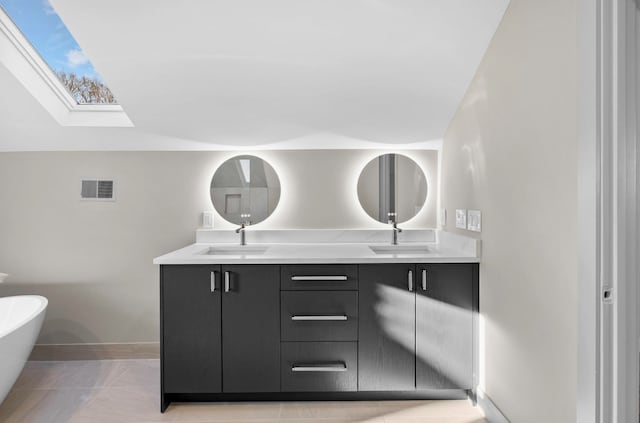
(386, 332)
(251, 328)
(191, 329)
(444, 326)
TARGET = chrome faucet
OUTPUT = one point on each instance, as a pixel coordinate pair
(395, 229)
(241, 229)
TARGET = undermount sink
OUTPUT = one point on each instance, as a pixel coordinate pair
(240, 250)
(400, 249)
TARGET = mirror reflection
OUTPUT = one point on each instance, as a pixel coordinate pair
(245, 190)
(392, 188)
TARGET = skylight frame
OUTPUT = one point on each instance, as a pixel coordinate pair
(26, 64)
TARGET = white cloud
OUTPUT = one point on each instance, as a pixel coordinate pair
(48, 9)
(76, 57)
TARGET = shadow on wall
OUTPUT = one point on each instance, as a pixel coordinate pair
(75, 307)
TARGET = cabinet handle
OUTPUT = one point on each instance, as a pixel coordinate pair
(227, 278)
(319, 278)
(213, 281)
(424, 279)
(410, 280)
(319, 318)
(331, 367)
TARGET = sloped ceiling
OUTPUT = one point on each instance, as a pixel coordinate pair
(267, 73)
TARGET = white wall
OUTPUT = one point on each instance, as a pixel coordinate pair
(93, 260)
(511, 151)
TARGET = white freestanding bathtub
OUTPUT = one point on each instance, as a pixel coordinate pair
(20, 322)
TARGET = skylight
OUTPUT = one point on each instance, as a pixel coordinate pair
(41, 25)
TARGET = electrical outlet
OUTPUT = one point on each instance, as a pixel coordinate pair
(474, 220)
(461, 218)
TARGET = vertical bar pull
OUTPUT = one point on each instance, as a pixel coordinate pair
(227, 278)
(213, 281)
(410, 280)
(424, 279)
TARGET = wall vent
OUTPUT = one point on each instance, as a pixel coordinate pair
(97, 190)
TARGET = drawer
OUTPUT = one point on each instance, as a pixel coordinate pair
(319, 277)
(319, 316)
(319, 366)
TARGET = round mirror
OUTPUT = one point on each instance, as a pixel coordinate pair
(392, 188)
(245, 189)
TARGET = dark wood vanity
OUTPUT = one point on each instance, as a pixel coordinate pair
(321, 331)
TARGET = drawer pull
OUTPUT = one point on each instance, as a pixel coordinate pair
(319, 318)
(318, 278)
(337, 367)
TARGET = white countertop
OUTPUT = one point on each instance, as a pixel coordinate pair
(323, 253)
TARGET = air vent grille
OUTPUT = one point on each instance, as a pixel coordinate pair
(97, 189)
(105, 189)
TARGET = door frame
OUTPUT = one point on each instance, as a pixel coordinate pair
(608, 211)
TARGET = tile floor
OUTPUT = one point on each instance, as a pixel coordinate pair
(128, 391)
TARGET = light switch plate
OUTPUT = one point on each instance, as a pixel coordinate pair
(461, 218)
(207, 220)
(474, 220)
(443, 217)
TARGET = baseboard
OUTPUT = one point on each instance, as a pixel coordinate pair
(67, 352)
(491, 412)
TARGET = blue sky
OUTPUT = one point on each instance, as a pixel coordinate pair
(42, 26)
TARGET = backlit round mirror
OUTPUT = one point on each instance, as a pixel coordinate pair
(245, 189)
(392, 187)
